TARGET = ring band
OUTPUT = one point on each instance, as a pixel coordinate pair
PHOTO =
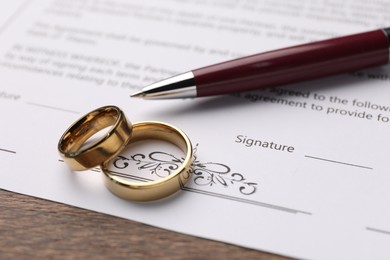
(157, 189)
(110, 145)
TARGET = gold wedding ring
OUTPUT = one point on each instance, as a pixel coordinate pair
(156, 189)
(81, 155)
(72, 145)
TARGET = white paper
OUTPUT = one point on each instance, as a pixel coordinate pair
(325, 196)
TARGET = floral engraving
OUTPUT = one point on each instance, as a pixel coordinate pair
(163, 164)
(159, 163)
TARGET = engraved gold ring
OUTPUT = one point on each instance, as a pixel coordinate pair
(72, 145)
(156, 189)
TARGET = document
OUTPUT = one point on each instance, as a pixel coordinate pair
(299, 170)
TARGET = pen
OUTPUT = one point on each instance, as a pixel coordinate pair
(278, 67)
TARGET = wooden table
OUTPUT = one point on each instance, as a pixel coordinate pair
(31, 227)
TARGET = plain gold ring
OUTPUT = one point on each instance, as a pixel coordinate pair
(70, 145)
(156, 189)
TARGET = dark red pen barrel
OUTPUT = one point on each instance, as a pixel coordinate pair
(294, 64)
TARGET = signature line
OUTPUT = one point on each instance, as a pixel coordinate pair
(333, 161)
(8, 151)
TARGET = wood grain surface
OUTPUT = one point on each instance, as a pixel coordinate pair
(37, 228)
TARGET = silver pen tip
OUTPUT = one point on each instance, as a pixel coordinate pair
(139, 94)
(179, 86)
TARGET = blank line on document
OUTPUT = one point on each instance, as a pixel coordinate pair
(378, 230)
(252, 202)
(6, 150)
(339, 162)
(218, 195)
(51, 107)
